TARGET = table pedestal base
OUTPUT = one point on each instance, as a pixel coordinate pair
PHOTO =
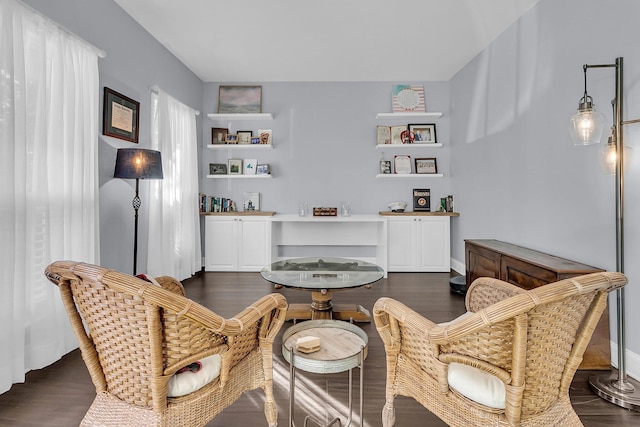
(322, 308)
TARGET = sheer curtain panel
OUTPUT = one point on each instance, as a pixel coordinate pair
(174, 222)
(48, 169)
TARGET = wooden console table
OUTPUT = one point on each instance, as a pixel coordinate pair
(529, 269)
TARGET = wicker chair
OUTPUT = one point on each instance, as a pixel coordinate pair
(139, 335)
(508, 361)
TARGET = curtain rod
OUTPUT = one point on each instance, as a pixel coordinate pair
(156, 89)
(101, 53)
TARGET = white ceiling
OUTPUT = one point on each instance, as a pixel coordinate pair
(329, 40)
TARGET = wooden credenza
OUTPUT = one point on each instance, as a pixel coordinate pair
(529, 269)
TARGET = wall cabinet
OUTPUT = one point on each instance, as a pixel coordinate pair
(419, 242)
(237, 242)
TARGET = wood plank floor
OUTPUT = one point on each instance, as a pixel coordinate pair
(60, 394)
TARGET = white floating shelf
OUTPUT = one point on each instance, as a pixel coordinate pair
(407, 115)
(254, 116)
(403, 146)
(409, 175)
(239, 146)
(227, 176)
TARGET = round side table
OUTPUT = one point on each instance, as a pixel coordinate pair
(343, 346)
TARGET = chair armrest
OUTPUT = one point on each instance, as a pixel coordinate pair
(171, 284)
(485, 291)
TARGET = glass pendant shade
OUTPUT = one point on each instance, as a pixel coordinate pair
(609, 159)
(586, 125)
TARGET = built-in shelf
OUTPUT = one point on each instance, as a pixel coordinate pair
(409, 175)
(239, 146)
(403, 146)
(227, 176)
(246, 116)
(408, 115)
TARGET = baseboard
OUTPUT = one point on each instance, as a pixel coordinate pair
(457, 266)
(632, 361)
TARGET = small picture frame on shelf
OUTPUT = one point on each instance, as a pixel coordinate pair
(217, 169)
(244, 137)
(426, 165)
(250, 166)
(219, 135)
(255, 140)
(406, 98)
(402, 164)
(422, 199)
(251, 202)
(385, 167)
(265, 136)
(424, 133)
(263, 169)
(231, 138)
(235, 166)
(384, 135)
(396, 134)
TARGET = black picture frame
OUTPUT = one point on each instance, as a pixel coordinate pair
(426, 165)
(120, 116)
(217, 169)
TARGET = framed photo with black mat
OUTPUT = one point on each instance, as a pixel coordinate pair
(422, 199)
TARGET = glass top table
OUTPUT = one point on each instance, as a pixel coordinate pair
(322, 276)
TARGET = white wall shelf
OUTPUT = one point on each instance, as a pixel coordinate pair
(407, 146)
(409, 175)
(239, 146)
(408, 115)
(227, 176)
(227, 117)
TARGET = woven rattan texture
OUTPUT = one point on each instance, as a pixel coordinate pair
(531, 340)
(139, 334)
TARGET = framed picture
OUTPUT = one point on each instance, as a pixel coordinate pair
(423, 133)
(244, 137)
(422, 199)
(219, 135)
(231, 138)
(407, 98)
(263, 169)
(251, 202)
(385, 167)
(250, 166)
(217, 169)
(121, 116)
(235, 166)
(402, 164)
(265, 136)
(396, 134)
(384, 135)
(427, 165)
(255, 140)
(240, 99)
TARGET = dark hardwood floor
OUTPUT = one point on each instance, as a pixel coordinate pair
(60, 394)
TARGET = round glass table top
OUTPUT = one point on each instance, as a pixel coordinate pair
(322, 273)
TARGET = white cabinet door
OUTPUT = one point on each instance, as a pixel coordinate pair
(433, 244)
(401, 246)
(221, 244)
(254, 243)
(419, 243)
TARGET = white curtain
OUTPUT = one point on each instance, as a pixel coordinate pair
(174, 223)
(48, 173)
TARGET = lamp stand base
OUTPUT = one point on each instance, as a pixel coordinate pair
(622, 393)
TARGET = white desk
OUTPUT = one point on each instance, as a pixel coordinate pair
(362, 237)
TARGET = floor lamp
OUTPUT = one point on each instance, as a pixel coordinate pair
(137, 163)
(586, 128)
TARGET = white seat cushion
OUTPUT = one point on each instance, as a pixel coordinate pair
(477, 385)
(188, 382)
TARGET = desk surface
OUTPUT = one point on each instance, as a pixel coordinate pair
(316, 273)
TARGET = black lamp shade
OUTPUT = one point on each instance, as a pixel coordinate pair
(137, 163)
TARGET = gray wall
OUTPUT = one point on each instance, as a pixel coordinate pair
(324, 137)
(135, 61)
(514, 170)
